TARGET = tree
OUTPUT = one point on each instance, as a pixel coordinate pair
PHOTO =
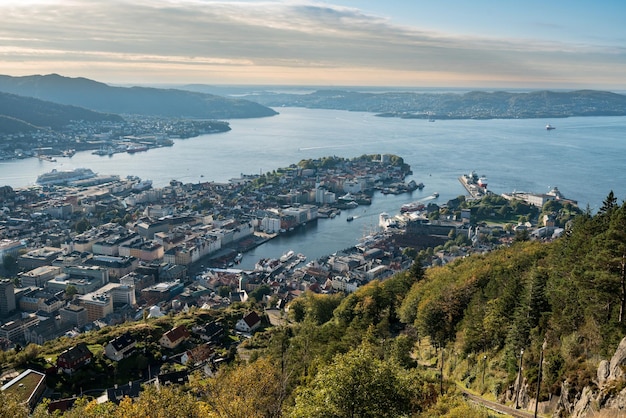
(9, 262)
(359, 384)
(82, 225)
(11, 406)
(70, 291)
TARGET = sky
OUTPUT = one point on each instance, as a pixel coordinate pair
(532, 44)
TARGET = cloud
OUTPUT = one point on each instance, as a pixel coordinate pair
(300, 37)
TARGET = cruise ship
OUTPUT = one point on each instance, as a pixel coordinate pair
(64, 176)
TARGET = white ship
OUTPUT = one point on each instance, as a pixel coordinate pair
(65, 176)
(287, 256)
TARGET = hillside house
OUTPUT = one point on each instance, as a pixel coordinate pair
(74, 358)
(175, 336)
(120, 347)
(250, 322)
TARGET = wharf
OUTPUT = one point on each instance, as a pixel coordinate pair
(472, 188)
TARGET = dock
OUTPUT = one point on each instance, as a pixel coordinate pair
(472, 187)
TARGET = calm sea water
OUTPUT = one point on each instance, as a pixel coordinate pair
(584, 157)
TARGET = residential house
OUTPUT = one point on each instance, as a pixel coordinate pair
(175, 336)
(74, 358)
(250, 322)
(120, 347)
(197, 355)
(178, 377)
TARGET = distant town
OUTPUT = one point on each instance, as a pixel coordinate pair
(131, 134)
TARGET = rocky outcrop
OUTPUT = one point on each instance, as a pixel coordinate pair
(609, 394)
(618, 360)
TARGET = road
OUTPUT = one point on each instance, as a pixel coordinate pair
(497, 407)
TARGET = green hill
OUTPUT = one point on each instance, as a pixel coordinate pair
(131, 100)
(23, 114)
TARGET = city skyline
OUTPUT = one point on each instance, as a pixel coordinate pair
(482, 44)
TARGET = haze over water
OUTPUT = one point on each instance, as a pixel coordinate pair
(583, 157)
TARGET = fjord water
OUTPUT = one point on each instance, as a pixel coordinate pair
(584, 157)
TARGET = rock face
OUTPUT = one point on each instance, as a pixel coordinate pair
(604, 396)
(619, 359)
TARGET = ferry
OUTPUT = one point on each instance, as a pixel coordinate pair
(412, 207)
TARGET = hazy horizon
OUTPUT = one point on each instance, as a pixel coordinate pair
(533, 45)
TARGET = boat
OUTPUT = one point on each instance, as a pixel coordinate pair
(238, 257)
(412, 207)
(301, 257)
(142, 185)
(350, 218)
(287, 256)
(549, 127)
(65, 176)
(136, 148)
(43, 157)
(482, 182)
(435, 195)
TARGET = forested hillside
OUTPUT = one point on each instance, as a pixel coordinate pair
(397, 347)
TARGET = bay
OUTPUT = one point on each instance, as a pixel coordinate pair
(584, 157)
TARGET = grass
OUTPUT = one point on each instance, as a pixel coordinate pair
(25, 386)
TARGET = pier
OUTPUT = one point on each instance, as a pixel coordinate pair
(470, 182)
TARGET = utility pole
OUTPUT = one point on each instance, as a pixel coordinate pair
(441, 373)
(519, 379)
(543, 347)
(484, 366)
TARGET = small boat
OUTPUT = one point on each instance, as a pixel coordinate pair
(549, 127)
(350, 218)
(435, 195)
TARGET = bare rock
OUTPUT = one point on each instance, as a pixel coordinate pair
(618, 359)
(584, 404)
(603, 372)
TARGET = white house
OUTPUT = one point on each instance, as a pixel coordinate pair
(249, 322)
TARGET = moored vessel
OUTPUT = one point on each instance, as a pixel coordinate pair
(65, 176)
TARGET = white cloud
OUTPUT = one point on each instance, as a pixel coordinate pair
(309, 37)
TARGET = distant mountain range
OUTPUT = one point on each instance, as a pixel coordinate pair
(26, 114)
(472, 105)
(101, 97)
